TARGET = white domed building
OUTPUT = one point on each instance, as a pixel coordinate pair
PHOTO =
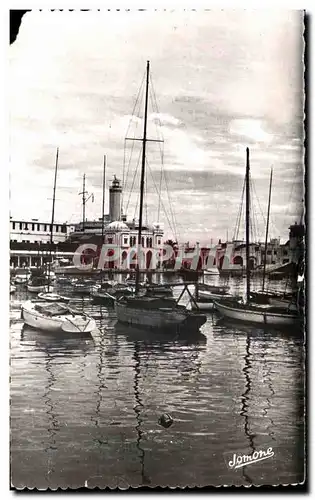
(119, 232)
(124, 236)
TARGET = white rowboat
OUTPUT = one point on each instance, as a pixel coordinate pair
(56, 318)
(53, 297)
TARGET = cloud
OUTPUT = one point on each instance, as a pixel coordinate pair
(223, 80)
(251, 129)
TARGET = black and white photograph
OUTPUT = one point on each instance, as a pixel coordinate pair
(157, 248)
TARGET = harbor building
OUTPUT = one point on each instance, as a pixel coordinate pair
(30, 240)
(118, 231)
(35, 231)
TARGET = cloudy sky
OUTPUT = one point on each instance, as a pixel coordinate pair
(223, 80)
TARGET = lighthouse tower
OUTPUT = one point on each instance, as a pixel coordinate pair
(115, 191)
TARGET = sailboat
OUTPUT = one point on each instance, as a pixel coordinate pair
(263, 296)
(44, 291)
(249, 312)
(47, 312)
(150, 311)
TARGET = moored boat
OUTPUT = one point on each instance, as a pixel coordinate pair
(250, 312)
(56, 318)
(149, 310)
(202, 306)
(21, 278)
(157, 314)
(212, 271)
(38, 284)
(53, 297)
(259, 314)
(83, 287)
(107, 291)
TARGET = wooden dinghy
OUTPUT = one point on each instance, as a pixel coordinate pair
(53, 297)
(56, 317)
(38, 282)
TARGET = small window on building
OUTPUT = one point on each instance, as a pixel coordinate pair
(26, 226)
(64, 228)
(109, 241)
(21, 226)
(268, 252)
(285, 252)
(45, 227)
(275, 252)
(159, 242)
(257, 249)
(33, 227)
(13, 225)
(125, 241)
(38, 227)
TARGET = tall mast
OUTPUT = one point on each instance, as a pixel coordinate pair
(103, 202)
(247, 227)
(54, 199)
(52, 217)
(83, 203)
(144, 141)
(267, 229)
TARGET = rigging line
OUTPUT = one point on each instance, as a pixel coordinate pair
(168, 220)
(239, 215)
(170, 203)
(159, 193)
(146, 196)
(253, 213)
(238, 220)
(133, 181)
(261, 211)
(255, 230)
(125, 180)
(162, 157)
(161, 148)
(137, 99)
(136, 207)
(140, 92)
(161, 144)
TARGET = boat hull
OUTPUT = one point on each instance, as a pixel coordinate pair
(202, 306)
(69, 324)
(37, 289)
(53, 297)
(159, 318)
(102, 299)
(162, 319)
(207, 295)
(212, 272)
(21, 280)
(262, 316)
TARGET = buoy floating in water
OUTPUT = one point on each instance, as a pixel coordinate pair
(165, 420)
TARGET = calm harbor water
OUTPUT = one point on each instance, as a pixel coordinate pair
(84, 411)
